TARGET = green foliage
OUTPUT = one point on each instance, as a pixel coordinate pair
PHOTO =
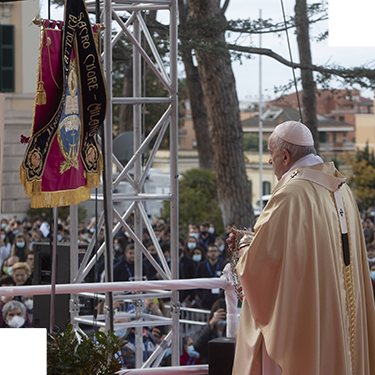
(95, 355)
(197, 200)
(251, 142)
(64, 212)
(362, 176)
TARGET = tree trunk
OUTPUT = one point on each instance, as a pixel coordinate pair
(308, 84)
(126, 110)
(223, 113)
(198, 107)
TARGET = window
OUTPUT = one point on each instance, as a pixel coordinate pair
(266, 188)
(6, 58)
(322, 137)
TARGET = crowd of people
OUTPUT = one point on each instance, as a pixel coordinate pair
(203, 253)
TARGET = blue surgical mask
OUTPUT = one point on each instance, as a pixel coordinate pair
(59, 237)
(3, 225)
(192, 352)
(3, 237)
(197, 257)
(10, 270)
(121, 333)
(167, 352)
(117, 248)
(16, 231)
(191, 245)
(221, 248)
(372, 273)
(211, 230)
(195, 235)
(92, 230)
(21, 245)
(221, 323)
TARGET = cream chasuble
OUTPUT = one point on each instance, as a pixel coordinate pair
(306, 309)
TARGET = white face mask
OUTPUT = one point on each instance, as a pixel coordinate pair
(29, 304)
(195, 235)
(16, 322)
(211, 230)
(221, 248)
(191, 245)
(3, 298)
(197, 257)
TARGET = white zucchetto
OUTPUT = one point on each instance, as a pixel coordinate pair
(295, 133)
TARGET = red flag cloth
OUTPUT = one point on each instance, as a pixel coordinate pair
(62, 161)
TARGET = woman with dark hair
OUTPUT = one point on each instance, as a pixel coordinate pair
(190, 244)
(198, 255)
(20, 247)
(119, 246)
(213, 329)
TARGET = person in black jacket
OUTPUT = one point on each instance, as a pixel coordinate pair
(213, 329)
(188, 269)
(212, 267)
(124, 268)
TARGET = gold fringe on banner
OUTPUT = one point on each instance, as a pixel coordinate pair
(30, 187)
(93, 179)
(60, 198)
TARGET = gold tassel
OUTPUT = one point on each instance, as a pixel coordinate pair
(41, 97)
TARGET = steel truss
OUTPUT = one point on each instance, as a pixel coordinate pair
(136, 30)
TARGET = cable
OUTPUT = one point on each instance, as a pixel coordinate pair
(291, 60)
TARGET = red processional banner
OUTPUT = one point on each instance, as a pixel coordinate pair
(62, 160)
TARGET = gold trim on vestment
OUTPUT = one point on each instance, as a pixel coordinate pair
(348, 286)
(349, 289)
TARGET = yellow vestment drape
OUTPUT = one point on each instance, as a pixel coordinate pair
(315, 315)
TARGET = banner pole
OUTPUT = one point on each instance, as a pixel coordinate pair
(53, 270)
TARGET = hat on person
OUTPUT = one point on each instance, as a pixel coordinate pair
(295, 133)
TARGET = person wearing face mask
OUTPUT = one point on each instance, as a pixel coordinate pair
(14, 315)
(119, 246)
(5, 281)
(198, 255)
(4, 268)
(205, 237)
(11, 262)
(193, 231)
(190, 244)
(20, 247)
(212, 229)
(149, 344)
(28, 301)
(5, 246)
(190, 356)
(223, 249)
(210, 268)
(216, 327)
(187, 271)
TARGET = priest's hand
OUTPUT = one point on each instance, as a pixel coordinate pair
(231, 238)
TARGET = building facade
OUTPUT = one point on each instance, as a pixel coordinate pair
(19, 50)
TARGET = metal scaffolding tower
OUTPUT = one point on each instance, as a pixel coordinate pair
(137, 32)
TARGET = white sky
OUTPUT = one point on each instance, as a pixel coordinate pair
(273, 72)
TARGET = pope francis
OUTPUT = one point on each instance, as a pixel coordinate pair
(308, 306)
